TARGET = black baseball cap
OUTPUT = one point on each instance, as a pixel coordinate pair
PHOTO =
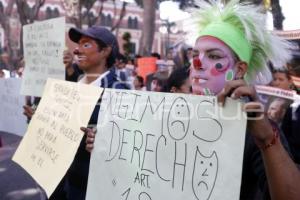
(97, 33)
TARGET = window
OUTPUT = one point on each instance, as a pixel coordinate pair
(108, 20)
(102, 19)
(52, 13)
(1, 6)
(129, 23)
(48, 12)
(55, 12)
(135, 23)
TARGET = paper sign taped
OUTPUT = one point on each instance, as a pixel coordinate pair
(166, 146)
(53, 136)
(44, 43)
(12, 119)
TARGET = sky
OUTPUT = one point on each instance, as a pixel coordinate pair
(291, 11)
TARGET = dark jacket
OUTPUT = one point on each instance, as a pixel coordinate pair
(254, 184)
(75, 76)
(291, 128)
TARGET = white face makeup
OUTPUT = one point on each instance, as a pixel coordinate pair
(214, 66)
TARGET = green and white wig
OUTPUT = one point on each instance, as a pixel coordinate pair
(242, 27)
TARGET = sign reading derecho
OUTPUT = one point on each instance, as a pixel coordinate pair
(44, 43)
(166, 146)
(53, 136)
(12, 119)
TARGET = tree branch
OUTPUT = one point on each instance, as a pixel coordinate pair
(122, 14)
(21, 12)
(37, 6)
(98, 18)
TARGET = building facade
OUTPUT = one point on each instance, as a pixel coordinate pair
(132, 22)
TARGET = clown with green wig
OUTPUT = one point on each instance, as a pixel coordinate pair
(234, 50)
(233, 43)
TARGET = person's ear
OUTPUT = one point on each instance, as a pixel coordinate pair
(240, 69)
(107, 51)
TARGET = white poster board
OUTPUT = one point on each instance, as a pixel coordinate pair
(53, 136)
(12, 119)
(44, 43)
(166, 146)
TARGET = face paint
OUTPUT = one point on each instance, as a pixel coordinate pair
(207, 92)
(218, 69)
(197, 63)
(219, 66)
(88, 55)
(216, 59)
(229, 75)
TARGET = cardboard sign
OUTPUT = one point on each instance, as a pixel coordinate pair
(44, 43)
(166, 146)
(12, 119)
(53, 136)
(146, 66)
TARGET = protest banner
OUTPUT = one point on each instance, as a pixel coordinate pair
(166, 146)
(44, 43)
(146, 66)
(12, 119)
(53, 136)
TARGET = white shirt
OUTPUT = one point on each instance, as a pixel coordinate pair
(96, 82)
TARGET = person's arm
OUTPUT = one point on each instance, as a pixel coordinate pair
(282, 173)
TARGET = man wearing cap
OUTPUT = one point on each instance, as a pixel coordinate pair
(96, 52)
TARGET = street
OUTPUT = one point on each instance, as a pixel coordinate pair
(15, 183)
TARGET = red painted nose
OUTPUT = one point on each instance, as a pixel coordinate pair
(197, 63)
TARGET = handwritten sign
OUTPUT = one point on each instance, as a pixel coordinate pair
(44, 43)
(166, 146)
(53, 136)
(12, 119)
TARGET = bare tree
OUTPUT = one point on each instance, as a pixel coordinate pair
(100, 12)
(75, 14)
(276, 10)
(122, 15)
(88, 14)
(277, 15)
(5, 14)
(148, 29)
(27, 14)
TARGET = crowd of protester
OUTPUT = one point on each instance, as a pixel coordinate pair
(173, 75)
(176, 79)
